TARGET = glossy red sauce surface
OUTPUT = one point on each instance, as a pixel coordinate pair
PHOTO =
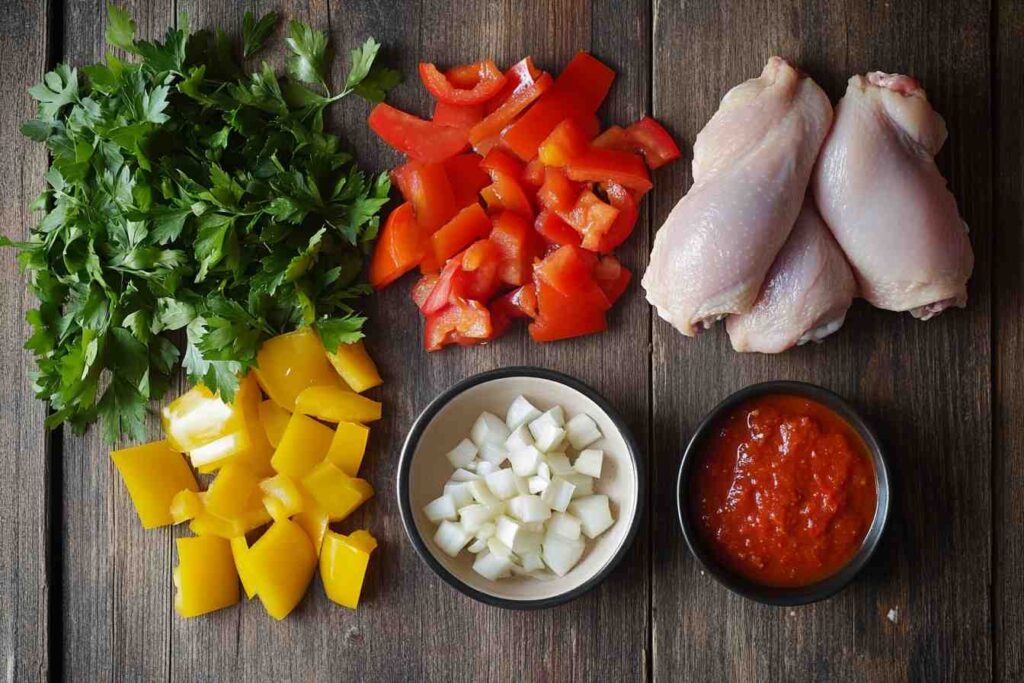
(783, 492)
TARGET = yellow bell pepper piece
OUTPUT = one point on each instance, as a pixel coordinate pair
(247, 400)
(313, 521)
(348, 447)
(335, 492)
(281, 565)
(288, 363)
(240, 553)
(355, 366)
(274, 419)
(197, 418)
(343, 565)
(305, 443)
(186, 505)
(282, 497)
(153, 473)
(205, 576)
(235, 493)
(334, 404)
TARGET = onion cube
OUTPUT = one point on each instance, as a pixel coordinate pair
(558, 494)
(589, 462)
(459, 493)
(472, 517)
(582, 431)
(520, 412)
(488, 428)
(519, 439)
(502, 484)
(561, 554)
(450, 538)
(492, 453)
(529, 509)
(525, 462)
(490, 566)
(499, 549)
(486, 530)
(522, 486)
(477, 546)
(527, 541)
(441, 508)
(537, 484)
(558, 463)
(484, 468)
(532, 562)
(544, 471)
(481, 492)
(594, 514)
(558, 415)
(584, 484)
(462, 474)
(506, 530)
(547, 433)
(565, 525)
(463, 454)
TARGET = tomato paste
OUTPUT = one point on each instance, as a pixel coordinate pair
(783, 492)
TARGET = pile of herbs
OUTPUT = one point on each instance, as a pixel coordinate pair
(185, 194)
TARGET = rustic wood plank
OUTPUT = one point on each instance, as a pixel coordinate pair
(24, 457)
(1008, 331)
(116, 577)
(924, 385)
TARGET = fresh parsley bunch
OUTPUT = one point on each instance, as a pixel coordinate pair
(185, 194)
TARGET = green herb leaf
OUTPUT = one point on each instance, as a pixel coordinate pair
(120, 28)
(337, 331)
(255, 33)
(311, 54)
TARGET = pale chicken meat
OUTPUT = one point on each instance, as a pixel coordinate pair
(879, 191)
(805, 295)
(752, 163)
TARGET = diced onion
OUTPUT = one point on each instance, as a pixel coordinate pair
(547, 433)
(525, 462)
(561, 554)
(450, 538)
(441, 508)
(520, 412)
(537, 484)
(559, 463)
(502, 484)
(594, 514)
(472, 517)
(584, 484)
(493, 453)
(529, 509)
(477, 546)
(489, 428)
(558, 494)
(582, 431)
(506, 530)
(519, 439)
(483, 468)
(564, 524)
(463, 475)
(463, 454)
(490, 566)
(589, 462)
(459, 493)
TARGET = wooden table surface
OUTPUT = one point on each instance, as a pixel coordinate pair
(86, 594)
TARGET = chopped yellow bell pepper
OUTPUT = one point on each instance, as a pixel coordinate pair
(240, 552)
(234, 493)
(334, 404)
(197, 418)
(205, 576)
(288, 363)
(257, 456)
(335, 492)
(207, 524)
(153, 473)
(343, 565)
(348, 447)
(305, 443)
(282, 496)
(281, 565)
(313, 521)
(355, 366)
(274, 419)
(186, 505)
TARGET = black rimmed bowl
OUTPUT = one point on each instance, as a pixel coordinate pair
(423, 469)
(789, 595)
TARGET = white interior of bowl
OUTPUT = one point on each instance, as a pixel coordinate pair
(430, 469)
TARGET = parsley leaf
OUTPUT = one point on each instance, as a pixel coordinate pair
(255, 33)
(337, 331)
(311, 54)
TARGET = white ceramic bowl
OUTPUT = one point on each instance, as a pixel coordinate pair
(423, 470)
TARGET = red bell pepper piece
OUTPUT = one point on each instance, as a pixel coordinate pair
(500, 161)
(654, 142)
(577, 93)
(570, 270)
(455, 116)
(519, 76)
(620, 198)
(591, 217)
(506, 193)
(566, 142)
(400, 247)
(481, 264)
(518, 246)
(612, 277)
(427, 187)
(519, 303)
(461, 322)
(422, 140)
(533, 175)
(599, 165)
(441, 295)
(490, 128)
(422, 289)
(556, 231)
(558, 193)
(562, 317)
(616, 138)
(467, 226)
(466, 178)
(465, 84)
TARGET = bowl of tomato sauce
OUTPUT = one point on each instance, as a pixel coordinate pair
(783, 493)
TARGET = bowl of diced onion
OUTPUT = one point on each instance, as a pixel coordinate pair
(520, 487)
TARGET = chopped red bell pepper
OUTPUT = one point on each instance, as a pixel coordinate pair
(490, 128)
(616, 138)
(566, 142)
(591, 217)
(599, 165)
(441, 294)
(519, 303)
(400, 247)
(612, 277)
(466, 178)
(427, 187)
(558, 193)
(519, 76)
(500, 161)
(467, 226)
(620, 198)
(570, 270)
(507, 193)
(533, 175)
(456, 116)
(422, 140)
(556, 231)
(422, 289)
(654, 142)
(465, 84)
(481, 266)
(461, 322)
(563, 317)
(518, 246)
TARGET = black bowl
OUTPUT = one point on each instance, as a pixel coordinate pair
(790, 595)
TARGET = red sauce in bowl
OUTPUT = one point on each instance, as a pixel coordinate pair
(784, 491)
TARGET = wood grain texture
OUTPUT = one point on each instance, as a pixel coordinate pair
(925, 386)
(24, 469)
(1008, 328)
(117, 587)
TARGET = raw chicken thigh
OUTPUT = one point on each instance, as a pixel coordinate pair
(805, 296)
(752, 163)
(879, 191)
